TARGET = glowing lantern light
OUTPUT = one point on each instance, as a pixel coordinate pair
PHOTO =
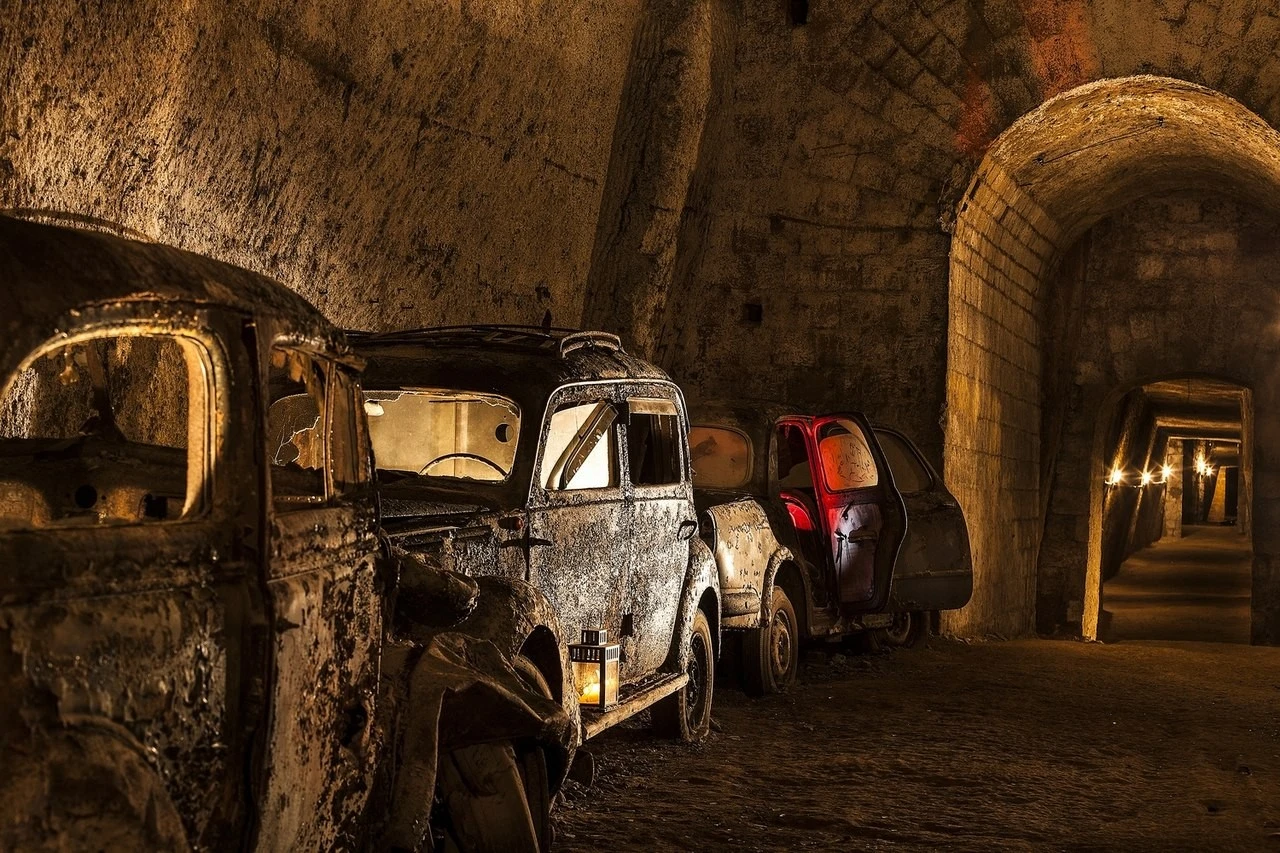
(595, 668)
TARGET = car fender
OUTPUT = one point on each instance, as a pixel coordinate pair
(805, 607)
(748, 555)
(510, 611)
(701, 577)
(456, 690)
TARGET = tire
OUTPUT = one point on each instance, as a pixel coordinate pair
(686, 714)
(909, 628)
(532, 761)
(771, 653)
(497, 796)
(482, 793)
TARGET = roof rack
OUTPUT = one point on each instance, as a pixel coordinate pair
(563, 340)
(578, 340)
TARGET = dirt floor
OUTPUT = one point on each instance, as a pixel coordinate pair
(1192, 588)
(1022, 745)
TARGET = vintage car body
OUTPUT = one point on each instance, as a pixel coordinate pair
(192, 635)
(792, 532)
(571, 527)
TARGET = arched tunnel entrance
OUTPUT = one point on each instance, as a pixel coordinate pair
(1173, 526)
(1097, 251)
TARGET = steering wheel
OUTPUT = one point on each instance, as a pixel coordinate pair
(494, 465)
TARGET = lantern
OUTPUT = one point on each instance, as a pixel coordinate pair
(595, 668)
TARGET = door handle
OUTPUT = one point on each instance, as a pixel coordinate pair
(688, 528)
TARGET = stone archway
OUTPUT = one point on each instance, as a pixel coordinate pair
(1043, 183)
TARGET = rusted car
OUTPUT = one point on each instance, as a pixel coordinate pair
(193, 590)
(553, 466)
(822, 526)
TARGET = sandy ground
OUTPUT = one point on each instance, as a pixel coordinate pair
(1024, 745)
(1193, 588)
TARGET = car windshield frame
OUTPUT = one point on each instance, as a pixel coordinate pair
(375, 398)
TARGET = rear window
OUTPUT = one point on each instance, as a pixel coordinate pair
(721, 457)
(909, 473)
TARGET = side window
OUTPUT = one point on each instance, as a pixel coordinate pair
(909, 473)
(107, 431)
(295, 429)
(581, 450)
(792, 459)
(653, 441)
(847, 462)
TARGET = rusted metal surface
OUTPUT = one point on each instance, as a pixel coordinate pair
(753, 534)
(616, 556)
(212, 679)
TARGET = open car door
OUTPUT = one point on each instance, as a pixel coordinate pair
(935, 569)
(861, 512)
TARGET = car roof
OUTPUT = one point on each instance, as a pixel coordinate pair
(51, 274)
(526, 363)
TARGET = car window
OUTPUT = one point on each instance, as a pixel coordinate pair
(653, 442)
(909, 473)
(437, 432)
(581, 449)
(106, 431)
(295, 428)
(792, 458)
(845, 456)
(721, 457)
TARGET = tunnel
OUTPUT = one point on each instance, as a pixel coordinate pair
(1036, 240)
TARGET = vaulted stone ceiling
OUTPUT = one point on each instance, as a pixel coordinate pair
(765, 207)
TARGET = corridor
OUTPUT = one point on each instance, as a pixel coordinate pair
(1193, 588)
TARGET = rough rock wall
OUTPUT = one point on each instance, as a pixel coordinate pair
(450, 161)
(1175, 285)
(439, 161)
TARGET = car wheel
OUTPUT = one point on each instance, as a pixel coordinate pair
(771, 653)
(907, 629)
(686, 714)
(532, 761)
(486, 802)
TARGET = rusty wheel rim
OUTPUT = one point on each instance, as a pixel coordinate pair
(695, 696)
(781, 641)
(900, 629)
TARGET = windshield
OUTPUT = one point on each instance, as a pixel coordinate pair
(721, 457)
(441, 433)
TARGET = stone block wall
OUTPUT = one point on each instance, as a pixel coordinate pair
(1163, 299)
(1004, 242)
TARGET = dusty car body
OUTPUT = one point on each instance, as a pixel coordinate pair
(822, 526)
(553, 467)
(194, 597)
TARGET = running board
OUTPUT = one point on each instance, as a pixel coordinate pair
(594, 722)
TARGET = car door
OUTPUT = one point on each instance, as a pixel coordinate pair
(862, 515)
(124, 589)
(578, 529)
(935, 567)
(324, 611)
(662, 523)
